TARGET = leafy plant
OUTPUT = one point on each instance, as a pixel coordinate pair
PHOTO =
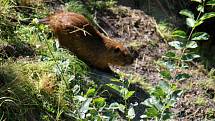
(185, 43)
(162, 99)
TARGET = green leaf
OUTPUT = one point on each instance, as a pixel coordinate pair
(91, 92)
(183, 76)
(176, 44)
(152, 112)
(192, 44)
(200, 36)
(170, 54)
(211, 2)
(126, 94)
(200, 8)
(165, 86)
(99, 102)
(199, 1)
(207, 16)
(152, 102)
(114, 106)
(189, 57)
(190, 22)
(180, 34)
(131, 113)
(159, 92)
(166, 74)
(122, 91)
(187, 13)
(204, 17)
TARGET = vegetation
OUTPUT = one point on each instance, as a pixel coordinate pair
(41, 81)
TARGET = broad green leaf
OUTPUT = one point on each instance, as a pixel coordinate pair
(176, 44)
(204, 17)
(198, 22)
(211, 2)
(115, 87)
(183, 76)
(200, 8)
(187, 13)
(129, 94)
(207, 16)
(159, 92)
(149, 102)
(170, 54)
(190, 22)
(90, 92)
(126, 94)
(166, 74)
(114, 106)
(199, 1)
(152, 112)
(200, 36)
(189, 57)
(169, 64)
(180, 34)
(131, 113)
(99, 102)
(165, 86)
(123, 91)
(192, 44)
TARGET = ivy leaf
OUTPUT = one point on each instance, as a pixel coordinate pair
(180, 34)
(187, 13)
(200, 8)
(192, 44)
(212, 2)
(200, 36)
(176, 44)
(190, 22)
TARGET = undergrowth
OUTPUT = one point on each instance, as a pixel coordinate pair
(54, 84)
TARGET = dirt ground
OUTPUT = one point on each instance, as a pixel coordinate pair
(138, 31)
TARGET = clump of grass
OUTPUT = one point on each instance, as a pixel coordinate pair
(7, 28)
(38, 85)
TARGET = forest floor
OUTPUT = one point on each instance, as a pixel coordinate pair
(139, 31)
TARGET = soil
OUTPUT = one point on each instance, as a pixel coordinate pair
(137, 30)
